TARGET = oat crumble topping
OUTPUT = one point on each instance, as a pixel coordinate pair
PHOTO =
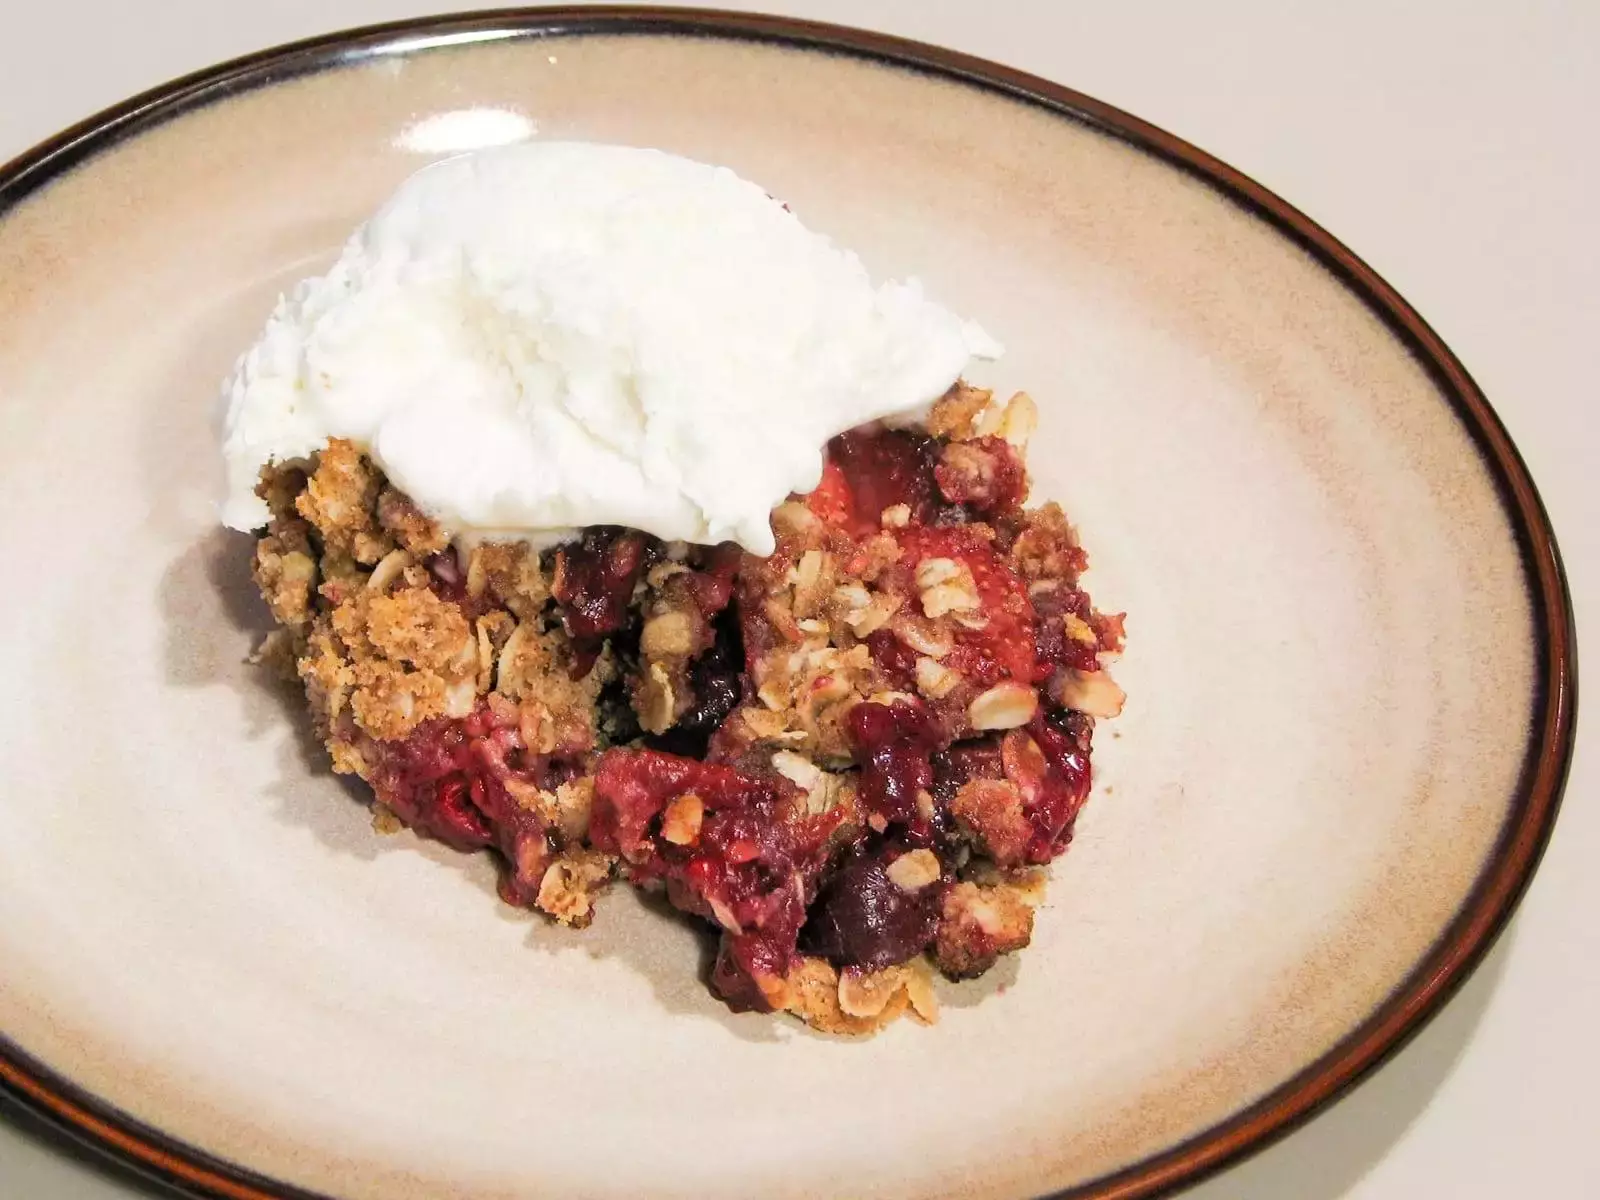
(852, 758)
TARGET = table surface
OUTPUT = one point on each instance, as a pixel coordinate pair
(1444, 142)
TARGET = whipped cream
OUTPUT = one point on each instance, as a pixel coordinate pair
(544, 336)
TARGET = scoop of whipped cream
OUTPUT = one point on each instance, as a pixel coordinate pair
(544, 336)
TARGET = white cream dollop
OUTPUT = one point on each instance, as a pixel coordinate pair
(549, 335)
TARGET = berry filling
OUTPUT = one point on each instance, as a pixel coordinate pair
(863, 918)
(845, 756)
(458, 781)
(594, 580)
(740, 851)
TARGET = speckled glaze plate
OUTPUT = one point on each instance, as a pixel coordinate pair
(1350, 660)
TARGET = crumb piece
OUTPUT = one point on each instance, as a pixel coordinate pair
(415, 626)
(954, 414)
(681, 821)
(813, 987)
(1092, 692)
(339, 501)
(409, 526)
(990, 812)
(1047, 546)
(1004, 706)
(571, 884)
(389, 701)
(512, 574)
(286, 573)
(977, 925)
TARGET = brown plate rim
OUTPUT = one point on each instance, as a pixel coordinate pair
(155, 1156)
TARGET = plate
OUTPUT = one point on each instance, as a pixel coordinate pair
(1351, 661)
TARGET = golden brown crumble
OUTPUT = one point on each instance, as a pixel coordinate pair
(512, 574)
(854, 1003)
(980, 922)
(569, 885)
(340, 501)
(956, 413)
(415, 532)
(395, 634)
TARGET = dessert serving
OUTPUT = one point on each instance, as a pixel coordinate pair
(618, 524)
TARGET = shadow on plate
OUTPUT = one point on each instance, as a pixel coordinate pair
(214, 616)
(208, 588)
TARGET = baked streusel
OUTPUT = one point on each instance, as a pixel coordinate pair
(853, 758)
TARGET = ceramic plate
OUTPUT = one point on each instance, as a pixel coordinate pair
(1350, 661)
